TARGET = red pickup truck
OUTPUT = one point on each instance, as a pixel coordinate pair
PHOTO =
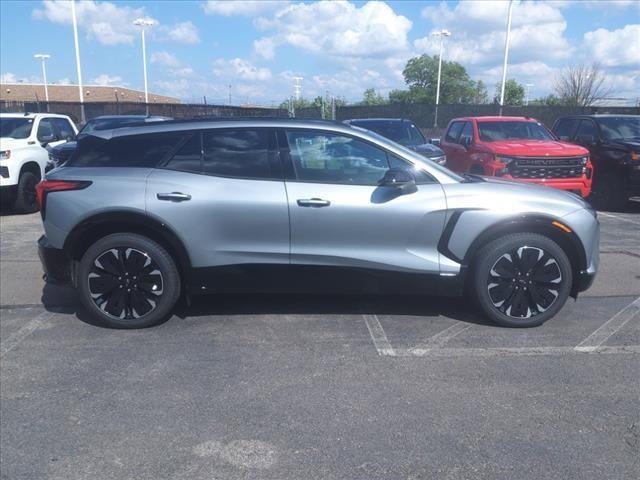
(516, 148)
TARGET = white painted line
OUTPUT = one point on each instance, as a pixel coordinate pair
(516, 351)
(27, 329)
(378, 336)
(622, 219)
(440, 339)
(611, 326)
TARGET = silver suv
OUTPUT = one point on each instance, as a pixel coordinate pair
(142, 215)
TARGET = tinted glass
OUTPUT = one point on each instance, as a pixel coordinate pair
(188, 158)
(421, 176)
(46, 130)
(109, 123)
(237, 153)
(512, 130)
(565, 127)
(587, 127)
(63, 128)
(132, 151)
(467, 133)
(453, 132)
(620, 128)
(404, 133)
(16, 127)
(331, 158)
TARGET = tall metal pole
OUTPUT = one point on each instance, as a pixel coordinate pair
(528, 95)
(442, 33)
(75, 41)
(506, 57)
(142, 23)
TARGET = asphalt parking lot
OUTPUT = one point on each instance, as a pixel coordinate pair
(325, 387)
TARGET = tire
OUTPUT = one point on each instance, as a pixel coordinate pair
(608, 192)
(113, 264)
(26, 200)
(541, 273)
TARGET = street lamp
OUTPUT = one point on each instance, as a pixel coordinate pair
(75, 41)
(506, 57)
(43, 57)
(143, 23)
(527, 96)
(442, 33)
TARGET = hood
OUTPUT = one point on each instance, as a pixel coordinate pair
(65, 147)
(537, 148)
(633, 145)
(427, 150)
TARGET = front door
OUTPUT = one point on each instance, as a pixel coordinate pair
(341, 216)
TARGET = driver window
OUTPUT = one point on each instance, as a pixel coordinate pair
(45, 131)
(467, 134)
(587, 127)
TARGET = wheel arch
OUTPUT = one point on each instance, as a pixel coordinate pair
(31, 166)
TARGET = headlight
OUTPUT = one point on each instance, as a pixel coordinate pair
(505, 160)
(584, 160)
(5, 154)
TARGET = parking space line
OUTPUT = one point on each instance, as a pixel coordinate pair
(17, 337)
(622, 219)
(517, 351)
(380, 340)
(611, 326)
(440, 339)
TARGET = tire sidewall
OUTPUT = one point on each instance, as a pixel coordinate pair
(21, 204)
(488, 255)
(171, 279)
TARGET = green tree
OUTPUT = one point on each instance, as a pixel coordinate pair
(513, 93)
(549, 100)
(482, 95)
(421, 75)
(371, 97)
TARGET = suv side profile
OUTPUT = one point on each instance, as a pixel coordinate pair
(24, 139)
(614, 145)
(141, 215)
(517, 148)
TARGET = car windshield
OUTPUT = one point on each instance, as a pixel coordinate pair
(404, 133)
(620, 128)
(11, 127)
(108, 123)
(512, 130)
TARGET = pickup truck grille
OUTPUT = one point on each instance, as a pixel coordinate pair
(546, 167)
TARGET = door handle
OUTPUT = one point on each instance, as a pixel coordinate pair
(174, 196)
(313, 202)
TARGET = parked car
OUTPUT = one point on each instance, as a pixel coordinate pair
(614, 145)
(24, 139)
(61, 153)
(140, 215)
(517, 148)
(404, 132)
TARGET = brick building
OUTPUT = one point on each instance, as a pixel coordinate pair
(34, 92)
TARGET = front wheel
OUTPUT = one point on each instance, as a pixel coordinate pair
(128, 281)
(26, 200)
(522, 279)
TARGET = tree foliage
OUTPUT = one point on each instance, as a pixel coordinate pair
(371, 97)
(581, 85)
(513, 93)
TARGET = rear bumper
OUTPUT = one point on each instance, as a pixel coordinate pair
(56, 265)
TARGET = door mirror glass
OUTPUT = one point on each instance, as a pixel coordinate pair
(403, 180)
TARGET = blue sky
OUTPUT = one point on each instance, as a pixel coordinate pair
(198, 48)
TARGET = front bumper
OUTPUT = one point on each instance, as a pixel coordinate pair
(580, 186)
(583, 281)
(56, 265)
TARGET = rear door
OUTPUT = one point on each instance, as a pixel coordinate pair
(454, 151)
(223, 194)
(340, 216)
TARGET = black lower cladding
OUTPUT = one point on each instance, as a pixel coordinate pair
(583, 282)
(56, 265)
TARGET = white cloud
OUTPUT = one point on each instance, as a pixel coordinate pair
(245, 8)
(240, 69)
(65, 81)
(184, 32)
(614, 48)
(265, 47)
(338, 28)
(108, 80)
(8, 78)
(171, 64)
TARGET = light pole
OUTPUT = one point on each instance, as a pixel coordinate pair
(43, 57)
(75, 41)
(442, 33)
(527, 96)
(142, 23)
(297, 87)
(506, 57)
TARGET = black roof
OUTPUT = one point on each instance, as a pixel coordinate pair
(599, 115)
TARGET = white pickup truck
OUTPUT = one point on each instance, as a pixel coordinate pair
(24, 138)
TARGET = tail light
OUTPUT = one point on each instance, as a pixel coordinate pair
(47, 186)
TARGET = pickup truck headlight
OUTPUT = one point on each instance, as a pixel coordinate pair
(584, 160)
(5, 154)
(505, 160)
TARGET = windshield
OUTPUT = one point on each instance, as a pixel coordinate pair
(516, 130)
(15, 127)
(620, 128)
(108, 123)
(404, 133)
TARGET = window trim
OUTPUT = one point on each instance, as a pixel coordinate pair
(290, 174)
(473, 133)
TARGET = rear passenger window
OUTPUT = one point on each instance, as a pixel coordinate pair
(188, 158)
(237, 153)
(146, 150)
(453, 132)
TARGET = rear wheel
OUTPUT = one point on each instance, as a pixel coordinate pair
(26, 200)
(128, 281)
(522, 280)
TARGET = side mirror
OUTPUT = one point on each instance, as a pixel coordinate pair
(586, 139)
(70, 138)
(403, 180)
(45, 139)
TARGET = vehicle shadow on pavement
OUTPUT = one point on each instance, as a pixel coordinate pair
(65, 300)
